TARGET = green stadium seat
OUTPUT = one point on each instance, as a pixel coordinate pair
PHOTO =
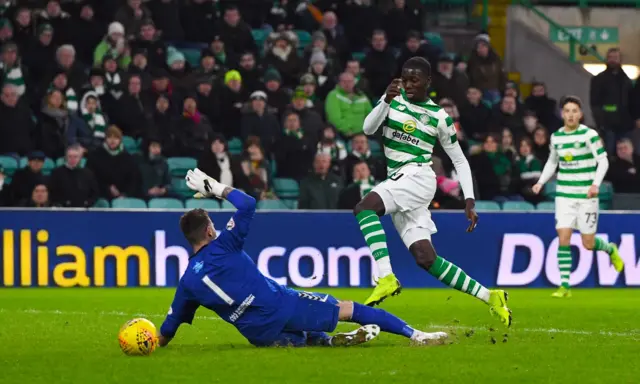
(434, 39)
(178, 166)
(235, 146)
(546, 206)
(61, 160)
(292, 204)
(179, 186)
(131, 145)
(550, 190)
(487, 205)
(304, 38)
(102, 203)
(358, 56)
(272, 205)
(604, 205)
(128, 203)
(259, 35)
(227, 205)
(9, 164)
(47, 167)
(375, 147)
(286, 188)
(518, 206)
(606, 191)
(165, 203)
(208, 204)
(192, 56)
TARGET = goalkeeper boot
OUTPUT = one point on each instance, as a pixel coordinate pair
(359, 336)
(562, 292)
(426, 338)
(616, 260)
(387, 286)
(498, 306)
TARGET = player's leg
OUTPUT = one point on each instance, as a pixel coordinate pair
(362, 314)
(368, 212)
(587, 225)
(566, 221)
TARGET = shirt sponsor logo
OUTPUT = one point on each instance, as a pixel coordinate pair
(409, 126)
(405, 137)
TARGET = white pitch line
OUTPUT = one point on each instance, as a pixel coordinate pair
(634, 333)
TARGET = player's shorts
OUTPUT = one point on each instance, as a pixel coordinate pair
(580, 214)
(406, 196)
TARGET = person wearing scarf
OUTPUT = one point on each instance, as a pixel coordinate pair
(530, 169)
(363, 183)
(92, 114)
(61, 83)
(334, 147)
(10, 68)
(193, 131)
(294, 151)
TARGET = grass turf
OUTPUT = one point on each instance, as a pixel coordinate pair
(70, 336)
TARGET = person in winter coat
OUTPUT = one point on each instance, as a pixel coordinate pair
(66, 62)
(154, 170)
(148, 39)
(231, 100)
(324, 79)
(71, 185)
(530, 169)
(379, 64)
(336, 37)
(415, 45)
(131, 112)
(115, 169)
(321, 189)
(25, 179)
(218, 163)
(198, 20)
(545, 108)
(494, 172)
(235, 33)
(362, 182)
(193, 130)
(114, 45)
(132, 15)
(259, 121)
(91, 113)
(12, 71)
(475, 115)
(17, 128)
(319, 43)
(164, 125)
(507, 115)
(284, 58)
(309, 118)
(346, 107)
(166, 14)
(448, 82)
(61, 22)
(206, 100)
(624, 172)
(24, 28)
(277, 96)
(251, 72)
(485, 70)
(40, 54)
(87, 33)
(360, 152)
(209, 68)
(294, 151)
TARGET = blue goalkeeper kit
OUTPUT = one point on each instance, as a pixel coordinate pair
(224, 279)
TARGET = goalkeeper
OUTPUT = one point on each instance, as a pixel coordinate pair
(220, 276)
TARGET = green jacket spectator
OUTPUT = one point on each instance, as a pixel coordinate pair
(346, 107)
(321, 189)
(114, 44)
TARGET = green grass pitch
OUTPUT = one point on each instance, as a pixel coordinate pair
(70, 336)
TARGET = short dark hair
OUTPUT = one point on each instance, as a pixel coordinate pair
(570, 99)
(420, 63)
(193, 225)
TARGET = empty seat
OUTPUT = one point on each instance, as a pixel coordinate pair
(286, 188)
(271, 204)
(101, 203)
(546, 206)
(518, 206)
(227, 205)
(165, 203)
(128, 203)
(130, 144)
(550, 190)
(304, 38)
(235, 146)
(487, 206)
(192, 56)
(179, 186)
(9, 164)
(606, 191)
(208, 204)
(178, 166)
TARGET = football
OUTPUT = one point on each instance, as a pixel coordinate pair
(137, 337)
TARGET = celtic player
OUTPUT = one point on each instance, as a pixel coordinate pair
(412, 124)
(583, 164)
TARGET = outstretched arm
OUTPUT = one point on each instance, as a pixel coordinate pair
(376, 117)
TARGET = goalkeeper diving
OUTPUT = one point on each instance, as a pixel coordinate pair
(221, 277)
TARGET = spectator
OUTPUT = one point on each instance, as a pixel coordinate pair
(323, 78)
(277, 96)
(415, 46)
(250, 72)
(11, 69)
(66, 62)
(362, 84)
(87, 34)
(61, 83)
(162, 84)
(166, 14)
(148, 39)
(541, 144)
(259, 121)
(544, 107)
(39, 197)
(609, 99)
(23, 33)
(309, 86)
(256, 168)
(164, 125)
(92, 115)
(71, 185)
(321, 189)
(294, 150)
(58, 127)
(530, 121)
(140, 66)
(115, 83)
(507, 145)
(334, 147)
(96, 82)
(485, 70)
(25, 179)
(17, 128)
(235, 33)
(319, 43)
(6, 31)
(154, 171)
(624, 169)
(635, 136)
(198, 20)
(209, 68)
(360, 152)
(59, 20)
(206, 99)
(475, 116)
(223, 56)
(131, 111)
(360, 19)
(506, 115)
(379, 65)
(113, 45)
(193, 132)
(132, 15)
(448, 82)
(447, 194)
(361, 184)
(231, 100)
(399, 20)
(530, 169)
(309, 118)
(346, 107)
(222, 166)
(284, 58)
(115, 169)
(39, 55)
(179, 70)
(493, 171)
(335, 36)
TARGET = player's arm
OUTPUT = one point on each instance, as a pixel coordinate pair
(449, 141)
(595, 145)
(378, 115)
(182, 310)
(549, 168)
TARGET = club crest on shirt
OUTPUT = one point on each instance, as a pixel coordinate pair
(401, 107)
(576, 144)
(409, 126)
(424, 119)
(197, 267)
(231, 224)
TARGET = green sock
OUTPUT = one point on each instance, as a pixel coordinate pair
(376, 239)
(602, 245)
(450, 274)
(564, 264)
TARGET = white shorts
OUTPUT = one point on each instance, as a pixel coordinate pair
(406, 196)
(580, 214)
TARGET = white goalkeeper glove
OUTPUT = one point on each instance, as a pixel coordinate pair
(203, 184)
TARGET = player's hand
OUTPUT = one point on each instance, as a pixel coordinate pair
(594, 190)
(472, 215)
(393, 90)
(204, 185)
(537, 188)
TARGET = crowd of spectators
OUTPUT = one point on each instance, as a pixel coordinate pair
(80, 77)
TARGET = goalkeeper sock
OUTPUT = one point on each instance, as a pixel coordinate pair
(452, 275)
(376, 240)
(602, 245)
(564, 264)
(387, 322)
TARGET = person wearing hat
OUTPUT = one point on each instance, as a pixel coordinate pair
(485, 70)
(209, 68)
(231, 99)
(114, 168)
(277, 96)
(71, 184)
(140, 66)
(25, 179)
(11, 70)
(179, 70)
(148, 40)
(39, 55)
(448, 83)
(319, 42)
(309, 118)
(283, 57)
(259, 121)
(114, 45)
(59, 19)
(323, 77)
(250, 71)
